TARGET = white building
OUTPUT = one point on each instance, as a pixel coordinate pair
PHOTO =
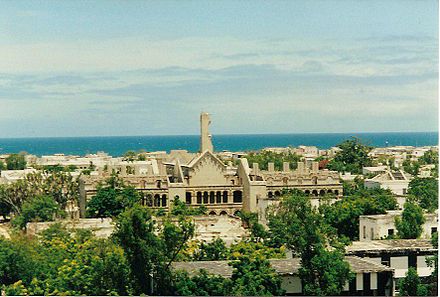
(373, 227)
(396, 181)
(399, 254)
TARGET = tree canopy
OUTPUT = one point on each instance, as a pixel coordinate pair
(344, 214)
(352, 157)
(411, 284)
(263, 158)
(16, 162)
(298, 225)
(410, 225)
(112, 198)
(424, 192)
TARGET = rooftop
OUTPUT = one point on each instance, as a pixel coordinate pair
(390, 245)
(282, 266)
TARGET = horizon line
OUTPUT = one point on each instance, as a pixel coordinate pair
(213, 135)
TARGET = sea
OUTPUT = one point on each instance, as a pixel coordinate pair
(118, 145)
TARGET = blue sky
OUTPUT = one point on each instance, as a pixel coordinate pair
(84, 68)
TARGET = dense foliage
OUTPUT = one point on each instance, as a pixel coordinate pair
(263, 158)
(298, 225)
(352, 157)
(60, 186)
(433, 263)
(39, 209)
(16, 162)
(112, 198)
(411, 284)
(429, 158)
(63, 263)
(344, 214)
(424, 192)
(410, 226)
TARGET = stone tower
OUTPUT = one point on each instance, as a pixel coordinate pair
(205, 137)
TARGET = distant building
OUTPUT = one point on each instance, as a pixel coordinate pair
(371, 278)
(372, 227)
(374, 170)
(398, 254)
(204, 179)
(396, 181)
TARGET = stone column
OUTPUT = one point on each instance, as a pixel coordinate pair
(271, 166)
(255, 168)
(315, 167)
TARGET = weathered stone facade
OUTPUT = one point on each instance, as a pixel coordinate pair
(207, 180)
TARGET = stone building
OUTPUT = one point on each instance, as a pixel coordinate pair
(204, 179)
(371, 278)
(380, 226)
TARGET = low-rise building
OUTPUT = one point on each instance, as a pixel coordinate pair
(374, 170)
(398, 254)
(371, 278)
(396, 181)
(373, 227)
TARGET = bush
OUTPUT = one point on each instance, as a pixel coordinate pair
(39, 209)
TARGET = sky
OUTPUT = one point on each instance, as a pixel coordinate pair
(101, 68)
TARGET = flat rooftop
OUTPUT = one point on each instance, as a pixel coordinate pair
(281, 266)
(390, 245)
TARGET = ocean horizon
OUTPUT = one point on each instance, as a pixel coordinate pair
(118, 145)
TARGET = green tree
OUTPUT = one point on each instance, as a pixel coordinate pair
(135, 232)
(60, 186)
(429, 157)
(212, 251)
(411, 285)
(344, 214)
(15, 262)
(253, 276)
(257, 230)
(424, 191)
(411, 167)
(263, 158)
(129, 156)
(39, 209)
(410, 225)
(2, 166)
(201, 284)
(112, 198)
(302, 228)
(433, 263)
(16, 162)
(352, 157)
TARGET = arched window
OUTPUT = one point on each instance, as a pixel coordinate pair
(205, 197)
(277, 193)
(237, 197)
(223, 213)
(199, 197)
(270, 194)
(164, 200)
(188, 197)
(218, 197)
(212, 197)
(156, 200)
(212, 213)
(225, 196)
(322, 193)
